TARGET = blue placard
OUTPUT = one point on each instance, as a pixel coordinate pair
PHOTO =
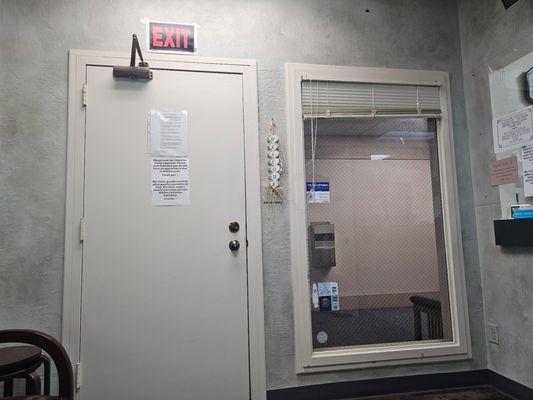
(319, 186)
(320, 194)
(522, 214)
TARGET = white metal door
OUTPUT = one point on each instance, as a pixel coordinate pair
(164, 300)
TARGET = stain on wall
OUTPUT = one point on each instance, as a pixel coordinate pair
(491, 36)
(35, 37)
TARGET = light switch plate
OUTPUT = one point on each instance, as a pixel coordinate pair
(493, 333)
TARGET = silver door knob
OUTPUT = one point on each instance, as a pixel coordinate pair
(234, 245)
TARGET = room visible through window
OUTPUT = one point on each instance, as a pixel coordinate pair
(377, 260)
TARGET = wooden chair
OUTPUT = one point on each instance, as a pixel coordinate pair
(18, 362)
(432, 308)
(56, 352)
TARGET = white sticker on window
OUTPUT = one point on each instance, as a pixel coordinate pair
(328, 296)
(321, 337)
(324, 289)
(315, 295)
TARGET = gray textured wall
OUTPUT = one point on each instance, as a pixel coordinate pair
(490, 35)
(34, 39)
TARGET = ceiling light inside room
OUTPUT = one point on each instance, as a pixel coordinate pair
(377, 157)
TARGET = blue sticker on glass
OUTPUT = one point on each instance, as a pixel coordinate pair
(318, 192)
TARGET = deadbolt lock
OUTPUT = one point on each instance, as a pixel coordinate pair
(234, 227)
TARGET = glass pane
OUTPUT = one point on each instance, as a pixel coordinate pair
(377, 263)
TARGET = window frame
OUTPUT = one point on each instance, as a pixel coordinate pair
(308, 360)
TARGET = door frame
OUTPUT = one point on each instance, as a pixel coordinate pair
(79, 60)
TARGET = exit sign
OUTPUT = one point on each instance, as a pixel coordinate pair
(171, 37)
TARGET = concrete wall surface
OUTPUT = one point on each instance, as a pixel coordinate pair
(35, 37)
(492, 38)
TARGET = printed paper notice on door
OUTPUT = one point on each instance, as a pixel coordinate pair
(170, 181)
(514, 130)
(527, 168)
(167, 133)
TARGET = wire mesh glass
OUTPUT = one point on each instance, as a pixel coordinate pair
(377, 262)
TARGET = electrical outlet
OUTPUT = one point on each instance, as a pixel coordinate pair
(493, 333)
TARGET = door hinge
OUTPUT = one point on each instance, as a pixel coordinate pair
(84, 95)
(77, 376)
(82, 229)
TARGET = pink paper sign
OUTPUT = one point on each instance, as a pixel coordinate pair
(504, 171)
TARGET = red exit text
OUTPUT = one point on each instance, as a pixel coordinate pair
(171, 37)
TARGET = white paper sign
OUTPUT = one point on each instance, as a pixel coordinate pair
(314, 295)
(324, 288)
(170, 181)
(527, 168)
(168, 133)
(514, 130)
(328, 288)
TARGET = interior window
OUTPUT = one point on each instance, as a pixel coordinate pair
(376, 252)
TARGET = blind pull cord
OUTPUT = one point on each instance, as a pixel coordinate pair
(374, 110)
(418, 108)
